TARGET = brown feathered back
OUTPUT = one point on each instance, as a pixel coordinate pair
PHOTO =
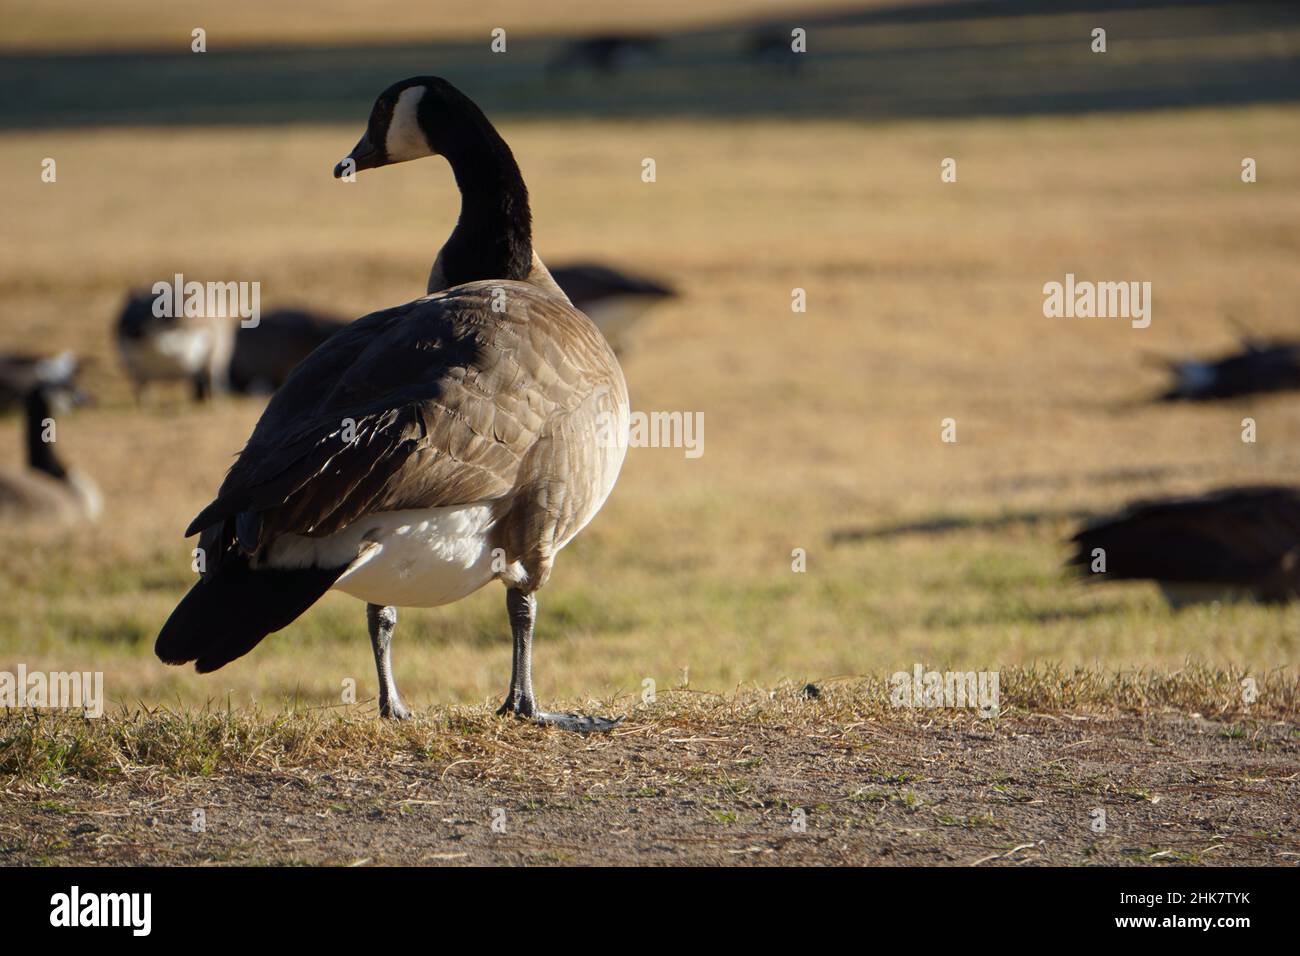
(442, 399)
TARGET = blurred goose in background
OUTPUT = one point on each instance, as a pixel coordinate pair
(606, 54)
(615, 301)
(772, 46)
(1260, 366)
(425, 450)
(1229, 544)
(20, 372)
(173, 348)
(266, 353)
(48, 492)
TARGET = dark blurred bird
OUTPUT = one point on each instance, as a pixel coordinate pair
(173, 348)
(615, 301)
(47, 491)
(266, 353)
(773, 47)
(608, 54)
(1260, 366)
(21, 372)
(1228, 544)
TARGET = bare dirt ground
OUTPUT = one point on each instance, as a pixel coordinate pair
(715, 783)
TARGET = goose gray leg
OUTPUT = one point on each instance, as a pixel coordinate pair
(520, 701)
(382, 620)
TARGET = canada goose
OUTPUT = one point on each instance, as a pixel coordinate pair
(426, 449)
(1261, 366)
(772, 47)
(1228, 544)
(20, 372)
(48, 492)
(173, 348)
(608, 53)
(266, 353)
(614, 300)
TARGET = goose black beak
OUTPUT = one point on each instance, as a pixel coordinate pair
(364, 155)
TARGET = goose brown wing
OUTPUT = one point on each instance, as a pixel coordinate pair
(429, 404)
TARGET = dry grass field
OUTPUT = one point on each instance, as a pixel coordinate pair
(924, 303)
(822, 433)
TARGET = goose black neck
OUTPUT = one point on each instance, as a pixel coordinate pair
(40, 454)
(493, 238)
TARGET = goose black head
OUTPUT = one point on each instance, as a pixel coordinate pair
(427, 116)
(55, 382)
(416, 117)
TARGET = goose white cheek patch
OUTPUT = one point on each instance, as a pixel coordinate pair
(405, 140)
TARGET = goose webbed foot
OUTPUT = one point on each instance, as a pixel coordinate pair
(394, 710)
(578, 723)
(520, 701)
(525, 709)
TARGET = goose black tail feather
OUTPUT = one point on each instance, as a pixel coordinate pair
(227, 613)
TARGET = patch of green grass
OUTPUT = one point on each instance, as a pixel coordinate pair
(870, 796)
(969, 823)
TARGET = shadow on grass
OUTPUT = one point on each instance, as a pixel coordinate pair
(1003, 616)
(949, 524)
